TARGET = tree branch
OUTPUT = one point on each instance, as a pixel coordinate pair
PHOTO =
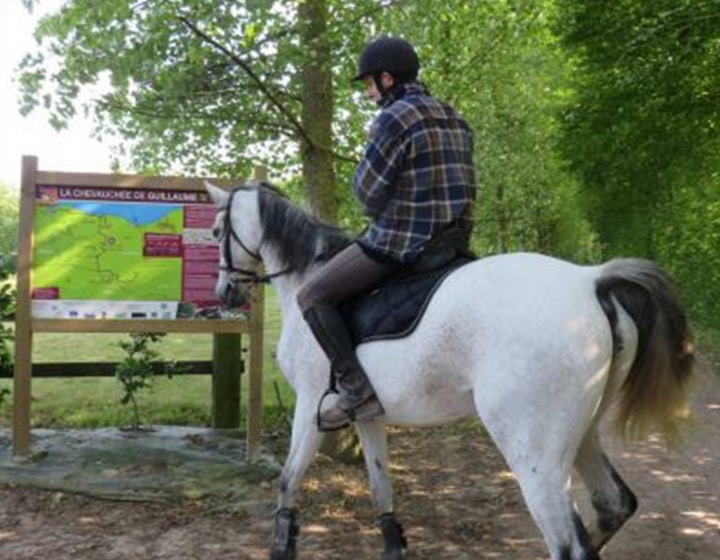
(254, 77)
(267, 126)
(376, 9)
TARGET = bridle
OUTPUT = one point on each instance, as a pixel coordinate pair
(243, 275)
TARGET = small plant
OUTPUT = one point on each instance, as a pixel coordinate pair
(7, 312)
(6, 360)
(4, 393)
(140, 366)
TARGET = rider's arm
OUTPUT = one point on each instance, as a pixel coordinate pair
(377, 173)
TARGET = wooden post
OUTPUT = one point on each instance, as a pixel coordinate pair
(227, 359)
(227, 370)
(255, 386)
(22, 377)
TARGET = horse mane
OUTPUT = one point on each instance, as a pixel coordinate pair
(299, 238)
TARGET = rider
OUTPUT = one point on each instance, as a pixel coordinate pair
(415, 182)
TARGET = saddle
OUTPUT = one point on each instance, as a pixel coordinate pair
(394, 308)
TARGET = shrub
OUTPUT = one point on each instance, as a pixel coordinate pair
(140, 366)
(7, 312)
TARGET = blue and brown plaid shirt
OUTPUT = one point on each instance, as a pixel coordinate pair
(417, 176)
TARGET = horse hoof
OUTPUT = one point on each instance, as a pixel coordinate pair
(394, 554)
(285, 537)
(283, 554)
(395, 542)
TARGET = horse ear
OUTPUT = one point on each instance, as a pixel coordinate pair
(219, 196)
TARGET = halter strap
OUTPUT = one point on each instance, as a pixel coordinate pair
(252, 277)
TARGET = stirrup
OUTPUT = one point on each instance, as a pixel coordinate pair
(370, 408)
(324, 427)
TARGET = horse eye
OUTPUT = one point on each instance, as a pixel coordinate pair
(216, 233)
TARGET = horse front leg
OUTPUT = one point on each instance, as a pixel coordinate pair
(375, 451)
(304, 443)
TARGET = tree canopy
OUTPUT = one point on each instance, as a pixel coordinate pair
(642, 132)
(203, 85)
(595, 122)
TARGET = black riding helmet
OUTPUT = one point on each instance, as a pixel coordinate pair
(395, 56)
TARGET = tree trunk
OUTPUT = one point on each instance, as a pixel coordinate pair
(317, 162)
(317, 110)
(502, 220)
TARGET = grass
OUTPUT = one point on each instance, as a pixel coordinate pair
(183, 400)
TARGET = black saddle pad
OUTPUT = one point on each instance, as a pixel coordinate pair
(395, 307)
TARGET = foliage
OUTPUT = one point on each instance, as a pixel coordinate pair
(501, 65)
(209, 86)
(7, 311)
(686, 236)
(4, 393)
(595, 122)
(642, 131)
(204, 85)
(138, 369)
(9, 217)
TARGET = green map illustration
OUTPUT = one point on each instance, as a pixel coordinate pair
(94, 251)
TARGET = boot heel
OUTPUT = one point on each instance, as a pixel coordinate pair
(370, 409)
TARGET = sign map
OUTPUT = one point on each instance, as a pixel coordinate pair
(123, 253)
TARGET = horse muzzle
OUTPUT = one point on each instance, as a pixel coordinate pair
(232, 294)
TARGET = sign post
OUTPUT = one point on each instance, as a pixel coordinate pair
(122, 254)
(23, 328)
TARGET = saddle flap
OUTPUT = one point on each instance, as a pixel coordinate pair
(394, 308)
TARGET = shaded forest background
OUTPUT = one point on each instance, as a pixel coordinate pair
(596, 122)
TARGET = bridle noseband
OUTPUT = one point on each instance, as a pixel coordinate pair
(244, 275)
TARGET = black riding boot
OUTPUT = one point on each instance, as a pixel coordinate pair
(357, 400)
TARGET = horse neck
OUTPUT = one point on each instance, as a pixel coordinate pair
(286, 285)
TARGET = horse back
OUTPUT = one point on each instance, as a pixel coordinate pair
(505, 326)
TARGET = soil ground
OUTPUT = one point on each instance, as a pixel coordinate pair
(454, 496)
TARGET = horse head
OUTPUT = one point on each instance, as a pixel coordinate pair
(238, 233)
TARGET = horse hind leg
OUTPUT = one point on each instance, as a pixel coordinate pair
(547, 497)
(613, 501)
(540, 452)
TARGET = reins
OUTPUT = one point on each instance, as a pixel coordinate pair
(246, 276)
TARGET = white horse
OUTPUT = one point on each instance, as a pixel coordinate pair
(535, 346)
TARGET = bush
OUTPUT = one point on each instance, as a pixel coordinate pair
(7, 312)
(139, 367)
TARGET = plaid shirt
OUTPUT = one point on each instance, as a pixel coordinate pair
(417, 175)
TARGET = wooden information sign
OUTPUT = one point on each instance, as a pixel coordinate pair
(125, 253)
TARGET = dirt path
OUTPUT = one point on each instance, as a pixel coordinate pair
(453, 494)
(679, 493)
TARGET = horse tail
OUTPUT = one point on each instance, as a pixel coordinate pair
(653, 396)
